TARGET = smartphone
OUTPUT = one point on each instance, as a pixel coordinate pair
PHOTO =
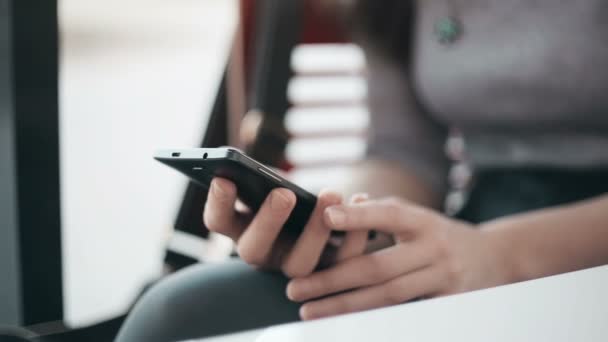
(253, 180)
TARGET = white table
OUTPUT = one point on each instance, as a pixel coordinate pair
(568, 307)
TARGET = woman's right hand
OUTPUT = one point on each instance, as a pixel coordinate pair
(256, 235)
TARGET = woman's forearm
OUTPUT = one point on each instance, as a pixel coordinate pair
(551, 241)
(380, 179)
(388, 179)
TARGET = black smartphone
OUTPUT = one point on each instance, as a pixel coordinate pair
(253, 180)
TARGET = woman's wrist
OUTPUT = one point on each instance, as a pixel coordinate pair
(551, 241)
(504, 252)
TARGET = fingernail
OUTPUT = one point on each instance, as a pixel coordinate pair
(279, 201)
(336, 216)
(360, 197)
(291, 291)
(218, 191)
(305, 312)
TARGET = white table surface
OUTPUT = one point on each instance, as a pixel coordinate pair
(568, 307)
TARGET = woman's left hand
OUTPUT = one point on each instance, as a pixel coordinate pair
(433, 255)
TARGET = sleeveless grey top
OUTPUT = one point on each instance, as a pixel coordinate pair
(526, 81)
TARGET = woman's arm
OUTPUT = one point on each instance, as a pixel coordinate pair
(377, 179)
(405, 147)
(552, 241)
(382, 178)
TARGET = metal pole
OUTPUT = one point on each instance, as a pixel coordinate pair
(30, 235)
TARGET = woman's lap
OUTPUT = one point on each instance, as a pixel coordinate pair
(205, 300)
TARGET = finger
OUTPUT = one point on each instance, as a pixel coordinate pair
(219, 214)
(355, 242)
(306, 252)
(256, 242)
(360, 271)
(389, 215)
(410, 286)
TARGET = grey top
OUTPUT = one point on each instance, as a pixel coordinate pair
(526, 81)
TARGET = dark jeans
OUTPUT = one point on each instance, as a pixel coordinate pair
(499, 193)
(206, 300)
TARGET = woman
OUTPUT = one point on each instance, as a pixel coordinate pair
(524, 81)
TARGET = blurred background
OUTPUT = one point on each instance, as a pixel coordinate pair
(135, 76)
(278, 79)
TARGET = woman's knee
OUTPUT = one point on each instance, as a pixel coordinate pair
(205, 300)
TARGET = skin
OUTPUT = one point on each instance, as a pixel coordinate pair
(435, 255)
(256, 235)
(427, 254)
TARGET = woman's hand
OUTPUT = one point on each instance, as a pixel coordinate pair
(434, 255)
(257, 236)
